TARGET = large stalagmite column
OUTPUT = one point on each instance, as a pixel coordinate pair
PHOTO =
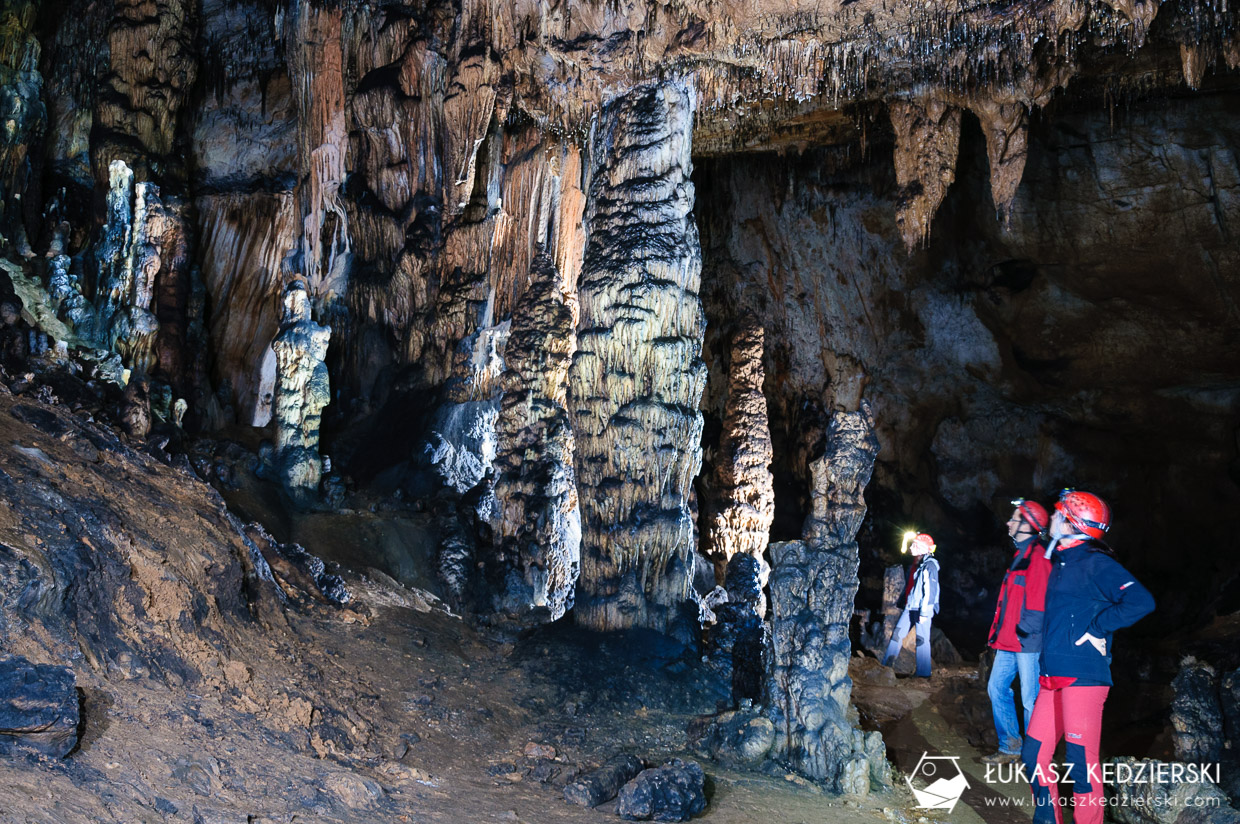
(637, 376)
(813, 585)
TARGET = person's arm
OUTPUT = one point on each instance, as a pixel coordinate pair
(931, 606)
(1130, 602)
(1036, 577)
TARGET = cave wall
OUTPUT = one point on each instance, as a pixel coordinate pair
(1090, 341)
(408, 163)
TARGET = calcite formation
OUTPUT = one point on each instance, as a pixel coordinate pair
(813, 583)
(302, 391)
(746, 505)
(637, 376)
(927, 142)
(410, 163)
(128, 263)
(23, 114)
(537, 519)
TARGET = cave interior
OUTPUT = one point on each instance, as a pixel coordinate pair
(487, 338)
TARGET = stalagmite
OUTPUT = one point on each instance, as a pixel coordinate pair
(152, 64)
(462, 432)
(302, 391)
(637, 377)
(537, 523)
(813, 583)
(746, 507)
(927, 142)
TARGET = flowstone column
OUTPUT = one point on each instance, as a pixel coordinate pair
(302, 391)
(638, 376)
(536, 520)
(813, 585)
(746, 510)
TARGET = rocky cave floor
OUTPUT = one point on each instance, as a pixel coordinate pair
(389, 708)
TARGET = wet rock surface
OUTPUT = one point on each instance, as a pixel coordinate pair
(38, 707)
(675, 791)
(604, 783)
(741, 738)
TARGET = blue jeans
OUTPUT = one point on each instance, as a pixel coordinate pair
(1007, 666)
(923, 643)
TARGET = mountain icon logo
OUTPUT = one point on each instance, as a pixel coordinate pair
(942, 779)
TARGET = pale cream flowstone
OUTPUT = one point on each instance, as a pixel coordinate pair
(302, 392)
(746, 505)
(637, 378)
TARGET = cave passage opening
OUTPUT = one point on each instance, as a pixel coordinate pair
(1092, 342)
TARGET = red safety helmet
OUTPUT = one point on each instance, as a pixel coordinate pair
(1033, 514)
(922, 540)
(1085, 511)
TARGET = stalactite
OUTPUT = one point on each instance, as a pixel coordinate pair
(637, 377)
(536, 521)
(302, 392)
(153, 64)
(316, 68)
(813, 584)
(1006, 126)
(1193, 63)
(746, 506)
(927, 141)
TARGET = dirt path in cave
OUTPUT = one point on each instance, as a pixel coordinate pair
(450, 720)
(940, 717)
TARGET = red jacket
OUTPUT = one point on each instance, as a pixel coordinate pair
(1017, 626)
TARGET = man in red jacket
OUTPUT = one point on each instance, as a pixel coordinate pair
(1016, 632)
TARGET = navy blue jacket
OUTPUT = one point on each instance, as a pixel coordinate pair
(1088, 591)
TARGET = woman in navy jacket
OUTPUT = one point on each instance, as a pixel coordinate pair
(1089, 595)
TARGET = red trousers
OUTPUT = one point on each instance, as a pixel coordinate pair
(1075, 715)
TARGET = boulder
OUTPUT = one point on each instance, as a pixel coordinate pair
(674, 792)
(38, 707)
(601, 785)
(738, 739)
(1146, 794)
(1196, 713)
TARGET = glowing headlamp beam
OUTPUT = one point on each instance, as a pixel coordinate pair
(908, 539)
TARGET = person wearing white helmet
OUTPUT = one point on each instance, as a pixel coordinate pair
(920, 603)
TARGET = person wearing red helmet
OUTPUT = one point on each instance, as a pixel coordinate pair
(1016, 631)
(1089, 595)
(921, 603)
